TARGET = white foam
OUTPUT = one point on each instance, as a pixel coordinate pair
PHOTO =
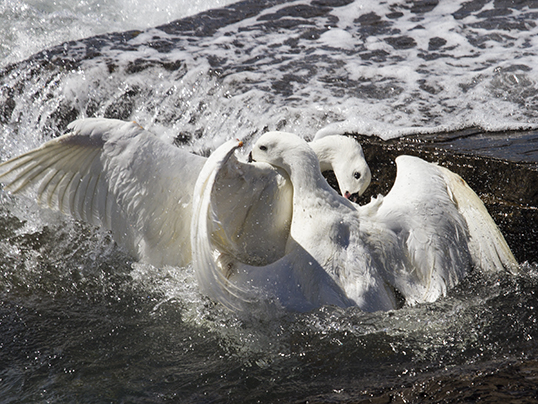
(27, 27)
(337, 38)
(335, 85)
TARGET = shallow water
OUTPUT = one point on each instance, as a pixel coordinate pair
(81, 322)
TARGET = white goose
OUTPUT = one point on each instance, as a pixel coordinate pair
(117, 175)
(420, 240)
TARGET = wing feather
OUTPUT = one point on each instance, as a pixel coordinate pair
(443, 226)
(420, 213)
(31, 168)
(211, 278)
(115, 174)
(294, 281)
(487, 245)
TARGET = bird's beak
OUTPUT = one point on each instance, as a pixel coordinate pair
(352, 197)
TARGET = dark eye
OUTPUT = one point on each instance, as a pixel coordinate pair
(262, 147)
(357, 175)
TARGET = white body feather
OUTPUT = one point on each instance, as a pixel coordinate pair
(117, 175)
(420, 239)
(295, 281)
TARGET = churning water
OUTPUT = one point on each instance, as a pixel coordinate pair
(81, 322)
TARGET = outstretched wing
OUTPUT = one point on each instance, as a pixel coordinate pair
(225, 272)
(117, 175)
(422, 218)
(488, 248)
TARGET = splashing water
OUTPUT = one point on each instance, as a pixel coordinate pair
(80, 321)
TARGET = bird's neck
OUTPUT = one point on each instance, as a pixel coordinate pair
(307, 179)
(325, 153)
(310, 189)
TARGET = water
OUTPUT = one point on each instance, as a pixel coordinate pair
(81, 322)
(27, 27)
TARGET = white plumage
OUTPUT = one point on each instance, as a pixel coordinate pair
(273, 229)
(117, 175)
(418, 241)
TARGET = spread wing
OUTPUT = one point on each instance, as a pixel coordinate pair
(117, 175)
(227, 273)
(487, 245)
(441, 225)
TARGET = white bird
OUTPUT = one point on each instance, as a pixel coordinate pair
(236, 284)
(344, 156)
(117, 175)
(417, 242)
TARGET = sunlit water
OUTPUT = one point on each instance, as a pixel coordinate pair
(81, 322)
(29, 26)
